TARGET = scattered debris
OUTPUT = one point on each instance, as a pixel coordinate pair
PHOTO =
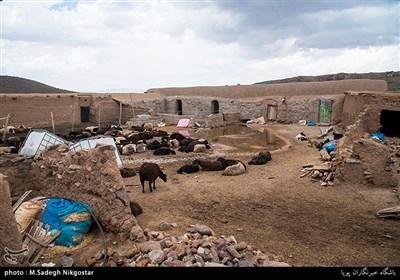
(391, 212)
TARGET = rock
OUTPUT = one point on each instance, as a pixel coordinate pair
(143, 263)
(200, 250)
(172, 255)
(214, 264)
(191, 229)
(91, 262)
(123, 196)
(173, 263)
(275, 264)
(241, 246)
(98, 255)
(245, 263)
(188, 259)
(127, 172)
(149, 246)
(117, 258)
(230, 240)
(174, 225)
(65, 261)
(164, 226)
(197, 236)
(166, 243)
(352, 160)
(131, 252)
(203, 229)
(231, 250)
(199, 260)
(26, 164)
(156, 256)
(161, 236)
(325, 155)
(74, 167)
(153, 233)
(137, 234)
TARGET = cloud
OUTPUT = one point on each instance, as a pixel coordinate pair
(95, 45)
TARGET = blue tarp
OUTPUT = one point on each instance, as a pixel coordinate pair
(72, 218)
(330, 146)
(311, 124)
(380, 136)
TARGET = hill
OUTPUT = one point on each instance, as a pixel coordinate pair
(10, 84)
(391, 77)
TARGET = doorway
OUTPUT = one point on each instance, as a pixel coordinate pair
(214, 107)
(85, 114)
(178, 107)
(325, 111)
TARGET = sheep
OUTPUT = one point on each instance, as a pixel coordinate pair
(129, 149)
(141, 147)
(230, 162)
(8, 150)
(189, 168)
(199, 148)
(261, 158)
(9, 129)
(207, 165)
(92, 129)
(174, 143)
(148, 126)
(164, 151)
(183, 149)
(150, 171)
(119, 139)
(234, 170)
(14, 141)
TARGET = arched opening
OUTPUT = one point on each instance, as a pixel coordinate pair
(389, 123)
(214, 107)
(178, 107)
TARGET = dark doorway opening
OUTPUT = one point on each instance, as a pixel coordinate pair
(85, 114)
(390, 123)
(214, 107)
(178, 107)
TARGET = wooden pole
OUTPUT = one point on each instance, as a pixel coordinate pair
(120, 113)
(133, 109)
(73, 118)
(52, 123)
(99, 116)
(5, 128)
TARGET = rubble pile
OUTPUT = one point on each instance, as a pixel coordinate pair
(198, 247)
(90, 176)
(320, 172)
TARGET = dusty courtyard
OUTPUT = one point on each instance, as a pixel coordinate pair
(291, 219)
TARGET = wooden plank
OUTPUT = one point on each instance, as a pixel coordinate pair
(5, 128)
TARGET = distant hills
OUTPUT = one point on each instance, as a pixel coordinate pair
(391, 77)
(10, 84)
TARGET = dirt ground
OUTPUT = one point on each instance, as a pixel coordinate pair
(291, 219)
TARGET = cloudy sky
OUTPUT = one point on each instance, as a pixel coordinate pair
(122, 46)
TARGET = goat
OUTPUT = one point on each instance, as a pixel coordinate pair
(150, 171)
(229, 162)
(261, 158)
(9, 129)
(8, 150)
(183, 149)
(177, 136)
(92, 129)
(207, 165)
(234, 170)
(189, 168)
(164, 151)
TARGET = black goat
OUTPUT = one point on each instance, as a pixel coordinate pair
(164, 151)
(189, 168)
(150, 171)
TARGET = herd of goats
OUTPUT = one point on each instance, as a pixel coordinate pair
(139, 139)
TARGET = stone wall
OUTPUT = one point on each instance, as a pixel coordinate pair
(355, 102)
(9, 233)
